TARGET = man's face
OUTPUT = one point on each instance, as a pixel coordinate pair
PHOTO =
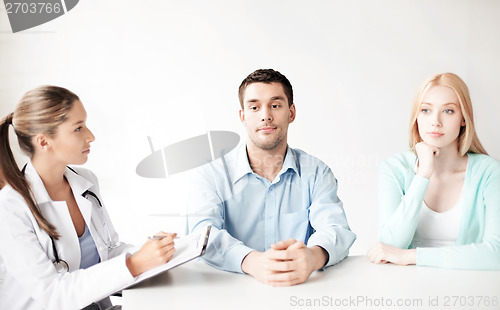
(266, 115)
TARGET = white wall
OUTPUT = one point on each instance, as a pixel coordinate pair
(171, 69)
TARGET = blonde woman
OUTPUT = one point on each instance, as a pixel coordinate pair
(57, 243)
(440, 203)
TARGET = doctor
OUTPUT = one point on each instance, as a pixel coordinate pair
(57, 243)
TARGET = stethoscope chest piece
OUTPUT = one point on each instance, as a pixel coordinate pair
(61, 266)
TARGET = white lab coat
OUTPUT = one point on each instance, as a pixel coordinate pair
(29, 279)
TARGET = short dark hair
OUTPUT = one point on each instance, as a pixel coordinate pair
(266, 76)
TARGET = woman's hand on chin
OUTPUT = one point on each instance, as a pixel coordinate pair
(426, 155)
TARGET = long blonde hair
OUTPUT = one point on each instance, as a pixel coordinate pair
(40, 110)
(467, 138)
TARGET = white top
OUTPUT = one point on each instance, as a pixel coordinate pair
(437, 229)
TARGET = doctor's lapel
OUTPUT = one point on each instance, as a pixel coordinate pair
(68, 247)
(88, 208)
(79, 185)
(56, 213)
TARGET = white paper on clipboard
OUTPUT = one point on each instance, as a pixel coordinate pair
(187, 248)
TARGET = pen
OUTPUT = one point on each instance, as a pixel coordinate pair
(160, 237)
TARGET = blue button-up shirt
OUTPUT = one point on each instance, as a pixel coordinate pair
(248, 212)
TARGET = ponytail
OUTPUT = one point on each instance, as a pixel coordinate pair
(11, 175)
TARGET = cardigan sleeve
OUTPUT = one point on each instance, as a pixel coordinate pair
(484, 254)
(399, 204)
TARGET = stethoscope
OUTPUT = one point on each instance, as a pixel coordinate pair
(109, 240)
(60, 264)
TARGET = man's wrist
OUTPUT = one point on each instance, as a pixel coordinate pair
(246, 262)
(321, 257)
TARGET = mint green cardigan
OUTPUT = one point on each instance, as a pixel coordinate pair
(401, 193)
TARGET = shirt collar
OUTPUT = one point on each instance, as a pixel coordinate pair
(77, 183)
(291, 162)
(243, 165)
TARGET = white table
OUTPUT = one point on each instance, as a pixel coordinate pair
(352, 284)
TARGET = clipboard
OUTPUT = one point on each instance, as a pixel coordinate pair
(187, 248)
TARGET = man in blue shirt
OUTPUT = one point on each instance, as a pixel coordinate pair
(274, 210)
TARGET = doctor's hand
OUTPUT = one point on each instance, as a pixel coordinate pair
(288, 262)
(153, 253)
(426, 154)
(383, 253)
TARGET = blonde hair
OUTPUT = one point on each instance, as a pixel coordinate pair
(467, 138)
(40, 110)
